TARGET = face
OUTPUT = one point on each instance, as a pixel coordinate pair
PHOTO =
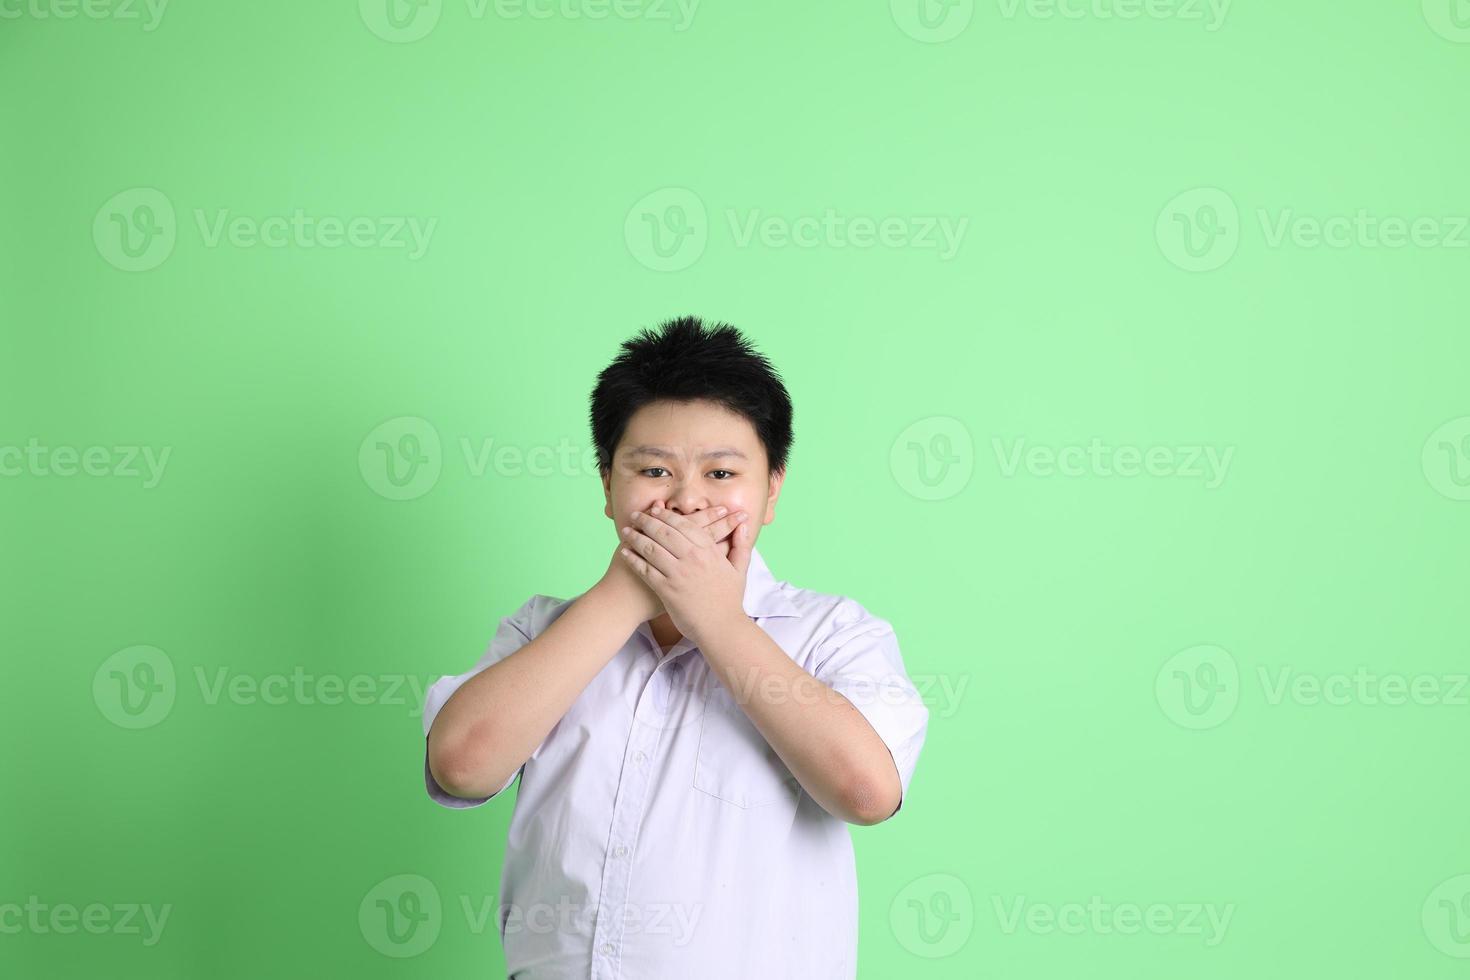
(690, 456)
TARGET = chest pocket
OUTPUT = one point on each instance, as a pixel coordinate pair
(734, 762)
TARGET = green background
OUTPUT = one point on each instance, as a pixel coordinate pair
(1065, 613)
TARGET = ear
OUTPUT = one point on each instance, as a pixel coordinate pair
(607, 494)
(776, 481)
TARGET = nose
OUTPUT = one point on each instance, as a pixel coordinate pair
(685, 502)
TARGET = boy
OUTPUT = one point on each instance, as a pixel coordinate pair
(693, 736)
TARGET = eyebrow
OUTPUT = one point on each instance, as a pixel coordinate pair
(659, 452)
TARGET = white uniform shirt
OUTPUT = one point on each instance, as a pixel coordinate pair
(657, 835)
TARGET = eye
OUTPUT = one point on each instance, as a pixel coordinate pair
(728, 473)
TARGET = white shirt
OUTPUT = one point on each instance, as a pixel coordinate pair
(657, 835)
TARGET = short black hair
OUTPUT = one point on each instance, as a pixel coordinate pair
(685, 360)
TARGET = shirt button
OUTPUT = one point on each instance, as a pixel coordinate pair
(607, 949)
(638, 757)
(619, 851)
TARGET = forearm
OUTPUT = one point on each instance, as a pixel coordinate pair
(818, 733)
(490, 726)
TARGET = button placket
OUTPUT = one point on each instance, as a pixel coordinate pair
(629, 803)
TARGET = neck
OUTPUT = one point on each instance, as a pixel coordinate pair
(664, 630)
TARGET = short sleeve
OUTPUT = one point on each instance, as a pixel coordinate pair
(861, 660)
(514, 632)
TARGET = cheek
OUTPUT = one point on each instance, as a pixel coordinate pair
(630, 501)
(740, 500)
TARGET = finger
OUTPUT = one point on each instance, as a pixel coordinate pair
(637, 564)
(740, 544)
(648, 548)
(717, 523)
(708, 517)
(716, 527)
(704, 518)
(651, 576)
(668, 529)
(722, 528)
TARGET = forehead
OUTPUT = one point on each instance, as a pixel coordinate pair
(688, 429)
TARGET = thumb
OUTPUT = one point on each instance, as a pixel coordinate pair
(744, 540)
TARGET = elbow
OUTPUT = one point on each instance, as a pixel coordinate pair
(452, 779)
(463, 782)
(872, 803)
(447, 772)
(454, 771)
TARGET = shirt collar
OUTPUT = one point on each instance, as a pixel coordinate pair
(763, 595)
